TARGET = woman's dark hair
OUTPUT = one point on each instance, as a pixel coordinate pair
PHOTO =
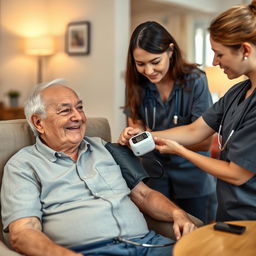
(154, 38)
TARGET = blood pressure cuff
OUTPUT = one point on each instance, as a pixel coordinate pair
(131, 168)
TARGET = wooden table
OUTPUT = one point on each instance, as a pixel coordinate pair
(205, 241)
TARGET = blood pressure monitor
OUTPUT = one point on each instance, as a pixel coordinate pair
(142, 143)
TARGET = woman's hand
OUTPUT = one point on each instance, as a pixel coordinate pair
(126, 134)
(166, 146)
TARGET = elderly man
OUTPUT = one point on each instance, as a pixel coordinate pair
(66, 195)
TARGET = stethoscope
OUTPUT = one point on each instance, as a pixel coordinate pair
(238, 121)
(150, 102)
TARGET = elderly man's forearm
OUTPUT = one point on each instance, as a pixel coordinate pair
(34, 243)
(158, 206)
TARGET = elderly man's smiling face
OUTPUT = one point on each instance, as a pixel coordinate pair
(64, 126)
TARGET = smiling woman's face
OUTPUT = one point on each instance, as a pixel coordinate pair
(152, 66)
(231, 61)
(65, 122)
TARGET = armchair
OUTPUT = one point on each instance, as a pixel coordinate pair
(15, 134)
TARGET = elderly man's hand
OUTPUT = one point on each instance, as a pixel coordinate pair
(126, 134)
(182, 224)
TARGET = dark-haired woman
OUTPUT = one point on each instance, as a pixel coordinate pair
(164, 91)
(233, 40)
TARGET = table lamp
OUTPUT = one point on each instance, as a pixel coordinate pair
(39, 46)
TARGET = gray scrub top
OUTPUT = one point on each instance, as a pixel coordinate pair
(236, 202)
(189, 102)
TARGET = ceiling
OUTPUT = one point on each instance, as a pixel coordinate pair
(201, 6)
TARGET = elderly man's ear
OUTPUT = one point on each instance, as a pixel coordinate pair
(37, 122)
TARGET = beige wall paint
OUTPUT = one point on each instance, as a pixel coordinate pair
(18, 71)
(178, 21)
(175, 23)
(97, 76)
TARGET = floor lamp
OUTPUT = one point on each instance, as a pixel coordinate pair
(41, 47)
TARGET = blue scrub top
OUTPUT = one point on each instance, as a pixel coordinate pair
(236, 202)
(188, 102)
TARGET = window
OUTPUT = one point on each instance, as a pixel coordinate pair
(202, 46)
(209, 54)
(199, 46)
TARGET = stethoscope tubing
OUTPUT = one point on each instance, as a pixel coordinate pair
(176, 112)
(235, 124)
(154, 117)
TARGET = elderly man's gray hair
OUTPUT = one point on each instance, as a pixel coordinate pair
(35, 103)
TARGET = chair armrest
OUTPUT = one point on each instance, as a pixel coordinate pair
(165, 228)
(5, 251)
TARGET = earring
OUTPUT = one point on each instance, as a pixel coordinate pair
(245, 58)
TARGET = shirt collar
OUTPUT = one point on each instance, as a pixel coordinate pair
(53, 155)
(153, 89)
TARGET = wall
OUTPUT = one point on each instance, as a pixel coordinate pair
(209, 6)
(180, 17)
(179, 21)
(19, 20)
(97, 76)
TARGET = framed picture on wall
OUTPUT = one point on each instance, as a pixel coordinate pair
(77, 40)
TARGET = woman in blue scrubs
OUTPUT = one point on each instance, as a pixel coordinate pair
(164, 91)
(233, 117)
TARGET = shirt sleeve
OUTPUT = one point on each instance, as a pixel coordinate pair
(20, 193)
(131, 168)
(241, 147)
(243, 144)
(213, 115)
(202, 99)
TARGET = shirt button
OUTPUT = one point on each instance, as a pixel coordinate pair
(96, 195)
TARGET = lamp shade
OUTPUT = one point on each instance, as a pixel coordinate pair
(40, 46)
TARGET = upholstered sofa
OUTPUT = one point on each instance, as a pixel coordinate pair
(15, 134)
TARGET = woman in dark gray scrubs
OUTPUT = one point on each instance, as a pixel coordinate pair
(233, 117)
(164, 91)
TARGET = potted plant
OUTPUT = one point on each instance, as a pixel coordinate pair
(13, 97)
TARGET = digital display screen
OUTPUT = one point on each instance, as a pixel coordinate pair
(139, 138)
